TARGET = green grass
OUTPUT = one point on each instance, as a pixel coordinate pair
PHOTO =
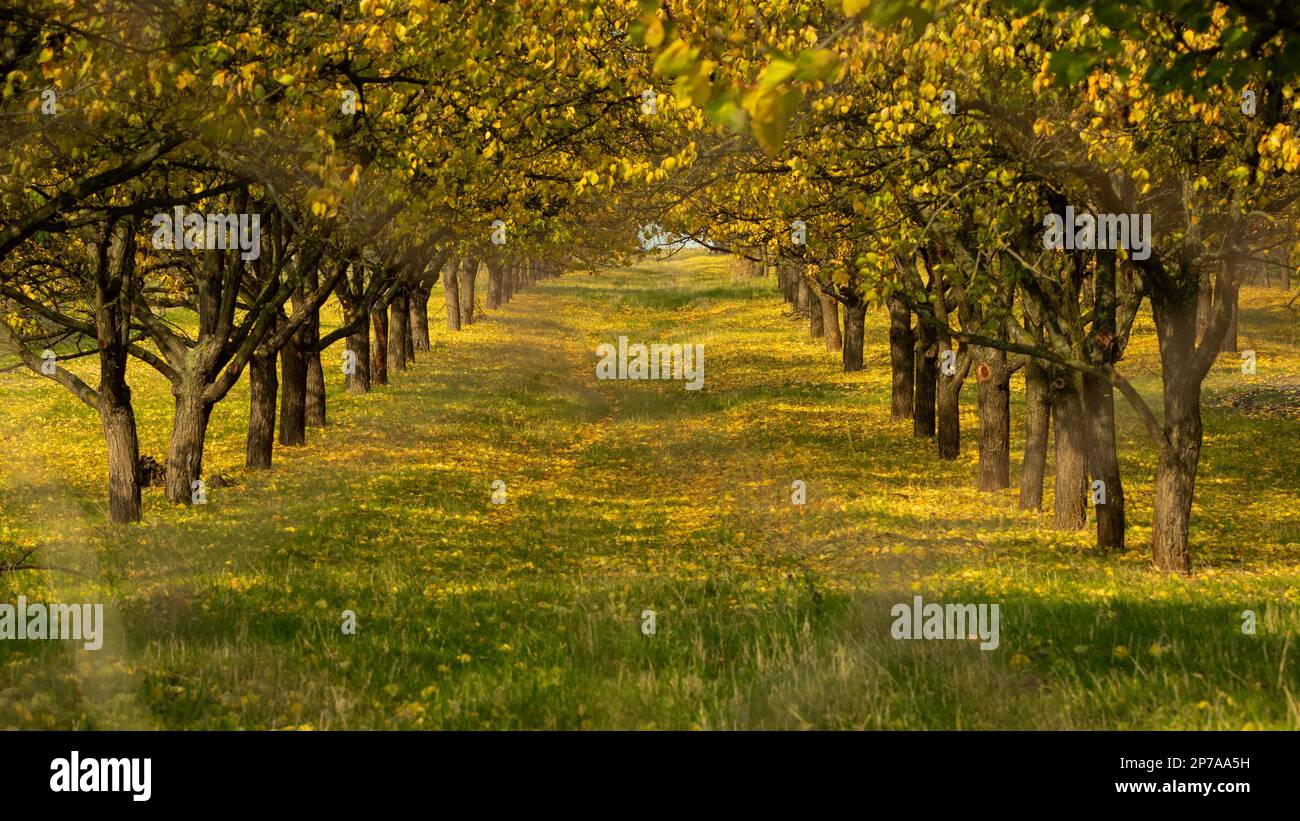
(627, 496)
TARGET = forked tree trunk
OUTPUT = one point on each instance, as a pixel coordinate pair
(902, 359)
(830, 308)
(1038, 416)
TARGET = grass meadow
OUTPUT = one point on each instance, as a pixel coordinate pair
(627, 496)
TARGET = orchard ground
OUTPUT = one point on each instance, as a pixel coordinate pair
(625, 496)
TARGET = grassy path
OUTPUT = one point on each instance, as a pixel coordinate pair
(631, 496)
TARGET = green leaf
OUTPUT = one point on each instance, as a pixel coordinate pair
(675, 59)
(819, 64)
(776, 73)
(1070, 66)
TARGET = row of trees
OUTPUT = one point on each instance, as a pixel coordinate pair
(876, 154)
(365, 153)
(915, 175)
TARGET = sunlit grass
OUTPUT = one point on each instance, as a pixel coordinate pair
(627, 496)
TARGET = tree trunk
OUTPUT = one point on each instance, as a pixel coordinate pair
(1103, 461)
(118, 419)
(358, 343)
(468, 276)
(927, 378)
(1179, 454)
(315, 411)
(993, 401)
(855, 317)
(1230, 338)
(802, 291)
(949, 414)
(115, 278)
(420, 317)
(1099, 403)
(379, 347)
(816, 319)
(1204, 304)
(1175, 486)
(408, 338)
(293, 395)
(451, 294)
(508, 281)
(902, 359)
(1071, 453)
(262, 388)
(494, 284)
(830, 308)
(398, 315)
(189, 430)
(1038, 418)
